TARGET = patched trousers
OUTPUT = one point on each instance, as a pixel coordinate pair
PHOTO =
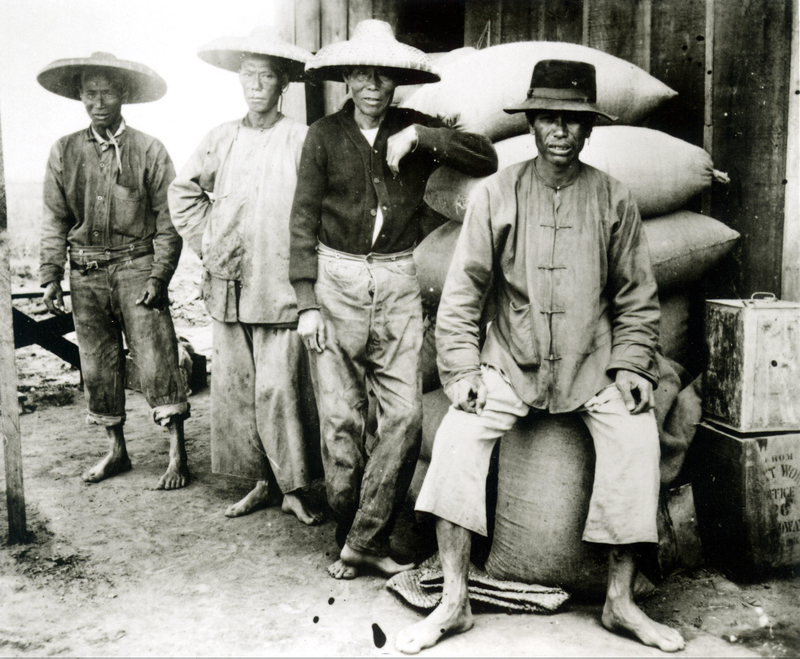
(624, 501)
(262, 406)
(104, 308)
(372, 311)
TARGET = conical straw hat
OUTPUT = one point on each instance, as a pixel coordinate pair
(373, 44)
(63, 77)
(228, 52)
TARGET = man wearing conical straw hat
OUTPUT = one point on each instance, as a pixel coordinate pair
(355, 220)
(561, 246)
(105, 207)
(231, 203)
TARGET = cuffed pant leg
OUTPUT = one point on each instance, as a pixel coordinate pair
(150, 335)
(454, 488)
(624, 502)
(277, 356)
(99, 334)
(235, 443)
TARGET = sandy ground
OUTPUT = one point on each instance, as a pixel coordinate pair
(119, 569)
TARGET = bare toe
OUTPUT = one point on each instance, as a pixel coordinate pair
(294, 504)
(176, 477)
(257, 499)
(340, 570)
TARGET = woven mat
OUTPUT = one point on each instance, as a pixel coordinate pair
(422, 587)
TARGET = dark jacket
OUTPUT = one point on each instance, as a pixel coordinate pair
(342, 180)
(88, 202)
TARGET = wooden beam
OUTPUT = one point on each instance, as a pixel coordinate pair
(790, 289)
(9, 406)
(477, 15)
(520, 20)
(562, 20)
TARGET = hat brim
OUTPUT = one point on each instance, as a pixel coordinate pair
(401, 75)
(228, 52)
(63, 77)
(559, 104)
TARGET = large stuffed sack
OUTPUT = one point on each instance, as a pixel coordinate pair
(662, 172)
(474, 89)
(683, 247)
(439, 61)
(546, 472)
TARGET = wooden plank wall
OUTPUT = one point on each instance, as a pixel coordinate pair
(729, 61)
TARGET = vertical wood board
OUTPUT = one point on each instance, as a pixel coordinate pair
(677, 58)
(749, 118)
(790, 289)
(9, 407)
(562, 20)
(616, 27)
(334, 28)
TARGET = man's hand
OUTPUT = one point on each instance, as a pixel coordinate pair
(637, 391)
(152, 294)
(311, 328)
(398, 145)
(54, 298)
(467, 394)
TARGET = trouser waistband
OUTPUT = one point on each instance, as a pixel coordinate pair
(84, 259)
(329, 252)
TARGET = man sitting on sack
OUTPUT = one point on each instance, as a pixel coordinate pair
(231, 202)
(105, 204)
(560, 247)
(355, 221)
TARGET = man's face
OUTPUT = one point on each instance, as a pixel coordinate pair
(103, 100)
(261, 83)
(560, 136)
(372, 89)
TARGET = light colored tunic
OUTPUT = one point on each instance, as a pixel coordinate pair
(231, 203)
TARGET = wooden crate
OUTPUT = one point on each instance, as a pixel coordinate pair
(746, 495)
(752, 382)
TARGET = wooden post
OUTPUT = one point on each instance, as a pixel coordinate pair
(9, 410)
(790, 288)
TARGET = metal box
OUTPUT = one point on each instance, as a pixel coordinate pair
(752, 381)
(746, 491)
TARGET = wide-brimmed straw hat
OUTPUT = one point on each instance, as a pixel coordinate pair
(63, 77)
(228, 52)
(373, 44)
(558, 84)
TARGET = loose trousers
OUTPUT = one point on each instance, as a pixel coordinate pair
(372, 311)
(104, 308)
(624, 501)
(262, 408)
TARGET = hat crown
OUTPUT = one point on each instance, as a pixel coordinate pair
(372, 29)
(100, 56)
(570, 79)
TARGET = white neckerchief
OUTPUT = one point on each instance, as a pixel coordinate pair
(111, 141)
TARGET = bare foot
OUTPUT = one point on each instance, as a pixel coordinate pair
(446, 619)
(111, 465)
(256, 499)
(624, 615)
(340, 570)
(175, 477)
(293, 504)
(351, 562)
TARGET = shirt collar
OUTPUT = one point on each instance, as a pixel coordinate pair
(94, 135)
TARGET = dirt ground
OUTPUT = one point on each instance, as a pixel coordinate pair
(119, 569)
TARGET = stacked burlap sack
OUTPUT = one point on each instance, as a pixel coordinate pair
(546, 463)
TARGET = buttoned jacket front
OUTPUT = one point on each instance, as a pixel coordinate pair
(574, 293)
(89, 202)
(343, 180)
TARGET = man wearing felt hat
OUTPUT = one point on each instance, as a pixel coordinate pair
(105, 207)
(559, 246)
(231, 203)
(355, 221)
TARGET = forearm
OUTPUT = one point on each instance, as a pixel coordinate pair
(469, 153)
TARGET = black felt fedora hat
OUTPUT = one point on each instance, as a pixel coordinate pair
(558, 84)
